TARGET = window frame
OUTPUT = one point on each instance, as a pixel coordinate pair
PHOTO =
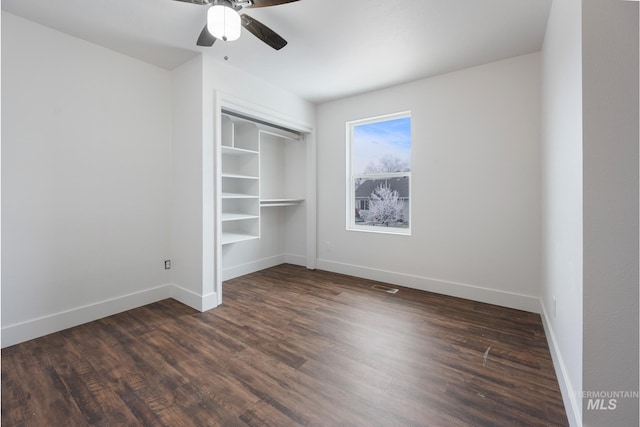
(351, 203)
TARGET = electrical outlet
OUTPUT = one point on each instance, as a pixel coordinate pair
(167, 264)
(554, 305)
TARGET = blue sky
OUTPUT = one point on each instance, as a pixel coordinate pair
(374, 140)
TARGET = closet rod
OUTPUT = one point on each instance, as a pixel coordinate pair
(262, 122)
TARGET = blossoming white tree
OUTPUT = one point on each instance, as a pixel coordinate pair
(385, 205)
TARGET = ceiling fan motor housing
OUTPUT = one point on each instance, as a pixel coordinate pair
(235, 5)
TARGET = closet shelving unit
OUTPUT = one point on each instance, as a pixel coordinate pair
(244, 181)
(240, 177)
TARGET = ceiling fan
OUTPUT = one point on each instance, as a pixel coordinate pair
(224, 21)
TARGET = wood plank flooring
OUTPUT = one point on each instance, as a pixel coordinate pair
(291, 347)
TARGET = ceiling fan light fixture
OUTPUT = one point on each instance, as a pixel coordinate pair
(223, 22)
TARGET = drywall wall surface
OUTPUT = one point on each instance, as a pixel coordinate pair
(562, 197)
(86, 163)
(475, 185)
(223, 77)
(610, 152)
(187, 182)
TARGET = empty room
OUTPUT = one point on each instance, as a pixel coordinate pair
(320, 213)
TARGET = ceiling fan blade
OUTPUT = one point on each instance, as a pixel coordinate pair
(263, 32)
(200, 2)
(205, 38)
(265, 3)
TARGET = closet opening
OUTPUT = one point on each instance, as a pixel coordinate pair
(265, 193)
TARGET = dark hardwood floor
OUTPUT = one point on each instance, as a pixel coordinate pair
(291, 347)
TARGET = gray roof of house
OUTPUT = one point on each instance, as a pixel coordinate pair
(400, 184)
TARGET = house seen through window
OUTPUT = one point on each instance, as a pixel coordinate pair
(379, 174)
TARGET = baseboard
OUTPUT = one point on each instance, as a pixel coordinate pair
(201, 303)
(569, 396)
(30, 329)
(299, 260)
(251, 267)
(45, 325)
(460, 290)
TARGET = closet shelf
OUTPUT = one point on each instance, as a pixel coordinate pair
(238, 196)
(238, 176)
(228, 238)
(230, 216)
(234, 151)
(264, 203)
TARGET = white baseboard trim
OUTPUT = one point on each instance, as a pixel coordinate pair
(45, 325)
(460, 290)
(201, 303)
(294, 259)
(572, 405)
(41, 326)
(251, 267)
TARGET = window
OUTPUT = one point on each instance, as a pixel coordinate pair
(379, 174)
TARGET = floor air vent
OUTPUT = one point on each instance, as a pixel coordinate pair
(384, 289)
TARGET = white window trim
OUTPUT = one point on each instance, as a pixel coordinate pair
(350, 202)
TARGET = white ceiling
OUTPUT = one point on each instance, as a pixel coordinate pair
(336, 48)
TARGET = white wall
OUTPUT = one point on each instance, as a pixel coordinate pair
(223, 77)
(86, 141)
(590, 204)
(187, 217)
(476, 186)
(562, 196)
(610, 170)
